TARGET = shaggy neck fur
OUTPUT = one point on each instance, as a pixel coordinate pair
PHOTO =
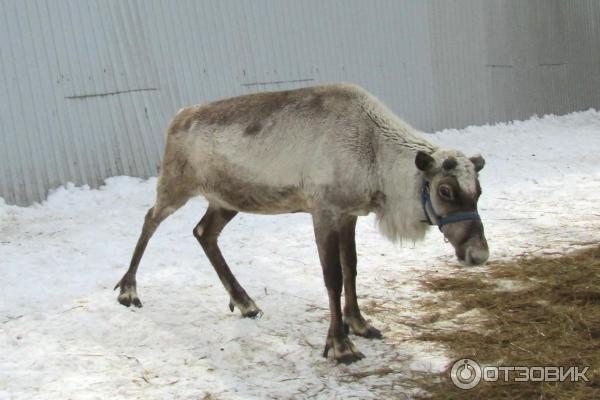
(400, 217)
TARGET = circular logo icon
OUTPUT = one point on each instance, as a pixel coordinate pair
(465, 373)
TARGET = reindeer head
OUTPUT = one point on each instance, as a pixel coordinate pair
(450, 191)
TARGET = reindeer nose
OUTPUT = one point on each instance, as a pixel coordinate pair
(476, 255)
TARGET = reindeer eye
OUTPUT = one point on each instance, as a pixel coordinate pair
(445, 192)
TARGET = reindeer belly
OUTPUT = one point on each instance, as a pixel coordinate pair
(236, 193)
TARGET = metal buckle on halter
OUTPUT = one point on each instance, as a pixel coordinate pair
(442, 220)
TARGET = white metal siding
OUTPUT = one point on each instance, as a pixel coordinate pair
(88, 87)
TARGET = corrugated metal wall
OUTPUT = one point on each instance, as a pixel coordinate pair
(503, 60)
(88, 87)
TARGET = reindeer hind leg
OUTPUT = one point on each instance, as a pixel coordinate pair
(166, 204)
(207, 232)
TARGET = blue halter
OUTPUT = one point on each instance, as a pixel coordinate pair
(442, 220)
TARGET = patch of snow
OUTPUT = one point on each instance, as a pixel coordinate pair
(508, 285)
(63, 335)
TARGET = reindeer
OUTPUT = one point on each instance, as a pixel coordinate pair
(333, 151)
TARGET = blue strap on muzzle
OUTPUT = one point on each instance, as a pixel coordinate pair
(442, 220)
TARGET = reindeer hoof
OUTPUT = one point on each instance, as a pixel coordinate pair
(370, 333)
(128, 296)
(253, 314)
(128, 301)
(349, 358)
(360, 327)
(344, 350)
(248, 308)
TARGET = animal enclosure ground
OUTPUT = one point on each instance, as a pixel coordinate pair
(63, 334)
(535, 311)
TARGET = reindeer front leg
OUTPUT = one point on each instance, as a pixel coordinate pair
(327, 235)
(352, 316)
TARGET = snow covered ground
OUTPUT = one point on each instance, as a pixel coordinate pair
(64, 336)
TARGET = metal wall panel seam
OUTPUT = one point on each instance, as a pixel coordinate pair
(207, 86)
(41, 105)
(52, 101)
(166, 37)
(64, 52)
(117, 142)
(9, 165)
(107, 136)
(138, 64)
(91, 130)
(68, 159)
(80, 114)
(28, 173)
(35, 160)
(133, 124)
(126, 127)
(153, 122)
(10, 162)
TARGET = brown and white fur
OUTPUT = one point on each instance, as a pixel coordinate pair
(332, 151)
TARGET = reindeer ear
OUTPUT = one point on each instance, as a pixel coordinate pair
(478, 162)
(424, 161)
